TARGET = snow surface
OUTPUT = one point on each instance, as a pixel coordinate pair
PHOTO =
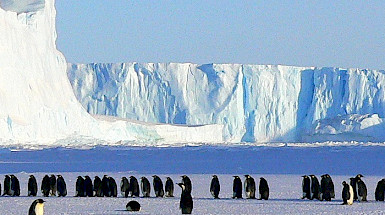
(255, 103)
(38, 105)
(282, 167)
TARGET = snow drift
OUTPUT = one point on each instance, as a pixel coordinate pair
(37, 101)
(255, 103)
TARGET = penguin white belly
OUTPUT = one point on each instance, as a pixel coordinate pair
(350, 200)
(248, 194)
(39, 209)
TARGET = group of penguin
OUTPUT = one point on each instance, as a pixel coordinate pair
(356, 190)
(250, 188)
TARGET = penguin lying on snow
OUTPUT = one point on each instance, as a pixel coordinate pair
(37, 207)
(133, 206)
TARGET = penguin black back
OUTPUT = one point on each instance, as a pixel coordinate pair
(169, 187)
(186, 201)
(88, 188)
(80, 192)
(32, 186)
(306, 183)
(98, 187)
(7, 185)
(327, 188)
(146, 186)
(380, 190)
(353, 184)
(124, 187)
(61, 186)
(187, 183)
(106, 186)
(37, 207)
(15, 186)
(315, 187)
(45, 186)
(113, 187)
(134, 186)
(215, 187)
(158, 186)
(133, 206)
(362, 191)
(237, 188)
(263, 189)
(52, 184)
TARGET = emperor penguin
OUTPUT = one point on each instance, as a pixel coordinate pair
(88, 188)
(250, 187)
(314, 187)
(347, 194)
(52, 184)
(380, 190)
(237, 188)
(186, 201)
(362, 191)
(61, 186)
(134, 187)
(15, 186)
(263, 189)
(124, 187)
(45, 186)
(32, 186)
(327, 188)
(113, 187)
(215, 187)
(37, 207)
(187, 183)
(133, 206)
(0, 188)
(106, 186)
(169, 187)
(98, 187)
(145, 186)
(306, 184)
(158, 186)
(7, 185)
(353, 184)
(80, 192)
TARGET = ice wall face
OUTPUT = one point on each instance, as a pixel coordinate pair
(38, 105)
(255, 103)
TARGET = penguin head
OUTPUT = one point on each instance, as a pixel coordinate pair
(215, 176)
(31, 176)
(247, 176)
(39, 201)
(312, 176)
(305, 176)
(262, 178)
(168, 178)
(155, 176)
(344, 183)
(359, 176)
(235, 176)
(59, 176)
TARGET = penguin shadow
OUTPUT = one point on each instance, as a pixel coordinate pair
(131, 212)
(315, 202)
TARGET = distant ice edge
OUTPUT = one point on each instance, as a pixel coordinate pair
(38, 106)
(255, 103)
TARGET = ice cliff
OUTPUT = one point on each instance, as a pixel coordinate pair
(255, 103)
(38, 105)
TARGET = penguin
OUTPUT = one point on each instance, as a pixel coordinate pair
(134, 187)
(80, 192)
(187, 183)
(263, 189)
(37, 207)
(250, 187)
(380, 189)
(0, 188)
(133, 206)
(52, 183)
(215, 187)
(314, 187)
(145, 186)
(327, 188)
(7, 185)
(158, 186)
(15, 186)
(106, 186)
(237, 188)
(124, 187)
(306, 183)
(32, 186)
(45, 186)
(113, 187)
(353, 184)
(186, 201)
(88, 188)
(98, 187)
(347, 194)
(362, 191)
(169, 187)
(61, 186)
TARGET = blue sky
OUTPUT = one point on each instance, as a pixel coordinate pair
(340, 33)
